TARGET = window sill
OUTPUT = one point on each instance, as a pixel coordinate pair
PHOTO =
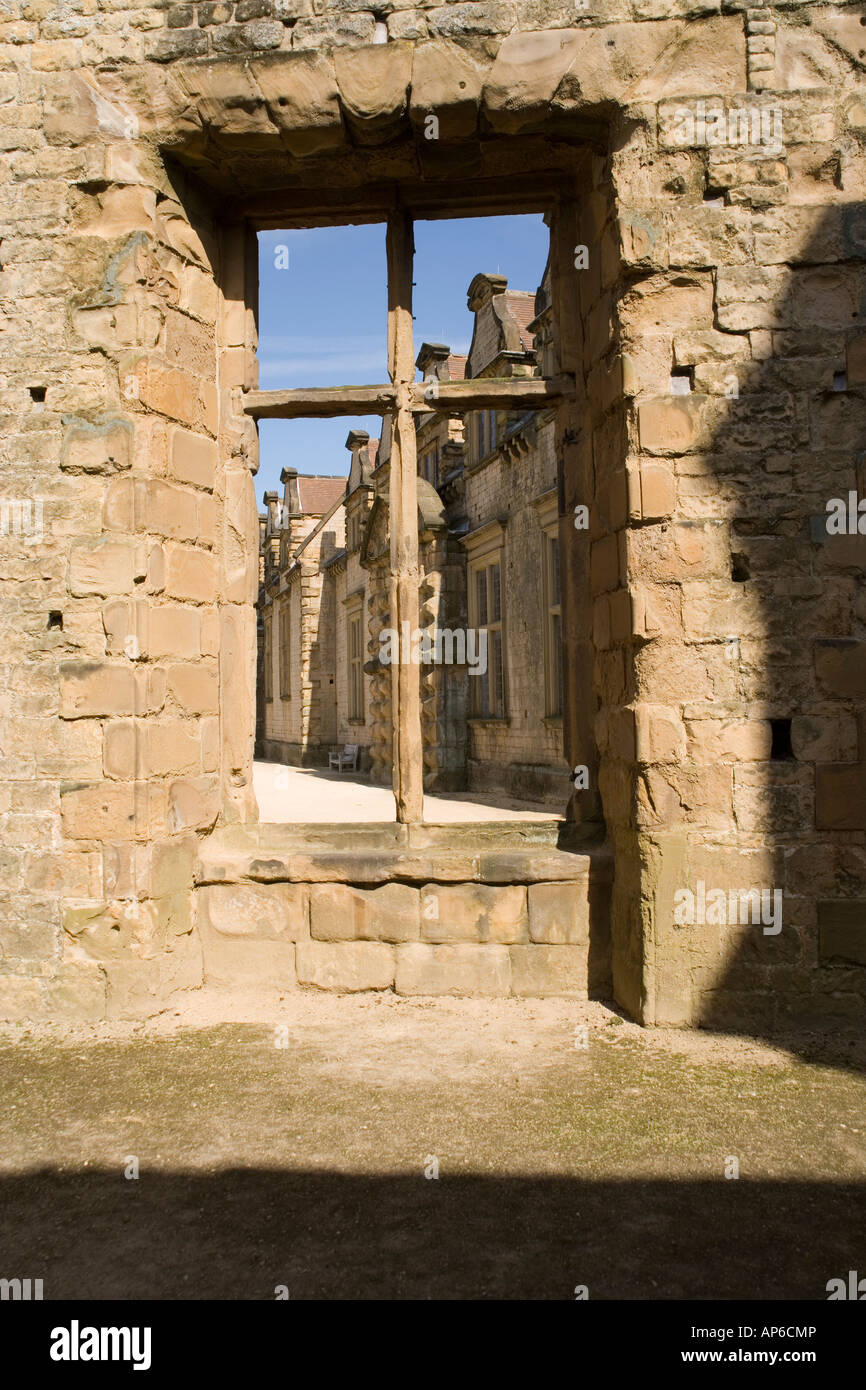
(362, 722)
(495, 719)
(553, 721)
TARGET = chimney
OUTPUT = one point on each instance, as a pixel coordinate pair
(291, 491)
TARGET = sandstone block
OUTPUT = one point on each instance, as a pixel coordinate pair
(340, 912)
(302, 100)
(842, 932)
(102, 447)
(841, 667)
(194, 686)
(542, 972)
(559, 913)
(190, 573)
(373, 84)
(671, 425)
(346, 966)
(92, 689)
(194, 458)
(824, 738)
(171, 746)
(105, 567)
(474, 912)
(173, 631)
(248, 933)
(840, 796)
(139, 988)
(446, 82)
(193, 804)
(120, 745)
(523, 80)
(102, 812)
(462, 970)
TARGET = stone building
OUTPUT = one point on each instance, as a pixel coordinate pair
(703, 169)
(492, 695)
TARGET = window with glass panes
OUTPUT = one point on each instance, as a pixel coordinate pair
(286, 648)
(488, 688)
(268, 660)
(553, 626)
(356, 667)
(485, 433)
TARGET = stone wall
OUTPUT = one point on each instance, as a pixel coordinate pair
(724, 725)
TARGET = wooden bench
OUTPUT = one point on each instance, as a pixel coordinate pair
(347, 757)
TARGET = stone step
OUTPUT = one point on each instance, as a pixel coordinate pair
(489, 910)
(484, 852)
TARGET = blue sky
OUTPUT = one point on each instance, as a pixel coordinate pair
(322, 320)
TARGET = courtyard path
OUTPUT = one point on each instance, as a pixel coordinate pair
(304, 795)
(296, 1141)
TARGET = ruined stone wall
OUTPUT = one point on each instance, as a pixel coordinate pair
(128, 332)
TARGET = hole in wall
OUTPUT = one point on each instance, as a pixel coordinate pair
(37, 395)
(781, 749)
(715, 197)
(682, 381)
(55, 619)
(840, 381)
(740, 569)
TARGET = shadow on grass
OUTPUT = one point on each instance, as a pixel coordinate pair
(237, 1234)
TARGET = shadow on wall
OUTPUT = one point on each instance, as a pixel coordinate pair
(239, 1234)
(775, 729)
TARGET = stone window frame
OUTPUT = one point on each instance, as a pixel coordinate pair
(402, 398)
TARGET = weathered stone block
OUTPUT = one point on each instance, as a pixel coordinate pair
(347, 966)
(103, 447)
(446, 83)
(194, 458)
(105, 567)
(559, 913)
(840, 796)
(248, 933)
(549, 971)
(302, 99)
(459, 970)
(102, 812)
(842, 932)
(193, 804)
(528, 69)
(194, 686)
(190, 573)
(90, 689)
(841, 667)
(373, 84)
(341, 912)
(474, 912)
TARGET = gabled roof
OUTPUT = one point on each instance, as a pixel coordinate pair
(317, 495)
(521, 307)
